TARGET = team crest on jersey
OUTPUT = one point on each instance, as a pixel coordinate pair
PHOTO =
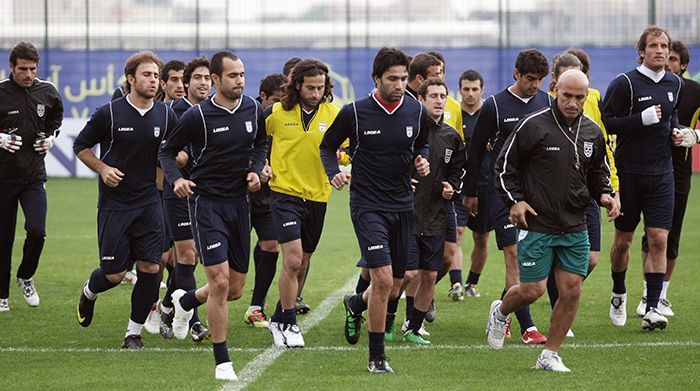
(40, 110)
(588, 148)
(322, 127)
(249, 126)
(156, 131)
(448, 155)
(670, 96)
(409, 131)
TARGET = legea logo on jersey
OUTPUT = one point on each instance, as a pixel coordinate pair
(108, 258)
(41, 109)
(249, 126)
(670, 96)
(528, 263)
(372, 132)
(375, 247)
(213, 246)
(184, 224)
(125, 129)
(221, 129)
(409, 131)
(511, 119)
(588, 148)
(156, 131)
(322, 127)
(13, 112)
(288, 223)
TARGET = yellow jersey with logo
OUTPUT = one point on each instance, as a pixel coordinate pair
(295, 159)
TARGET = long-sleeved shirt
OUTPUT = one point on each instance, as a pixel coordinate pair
(223, 143)
(642, 149)
(129, 141)
(499, 114)
(383, 146)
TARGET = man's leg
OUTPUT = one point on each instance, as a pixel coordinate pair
(33, 201)
(299, 306)
(654, 271)
(8, 221)
(265, 259)
(479, 254)
(377, 301)
(564, 312)
(456, 289)
(619, 260)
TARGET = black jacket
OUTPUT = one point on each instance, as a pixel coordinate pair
(446, 157)
(27, 112)
(538, 165)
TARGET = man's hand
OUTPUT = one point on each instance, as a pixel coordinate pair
(685, 137)
(518, 214)
(612, 204)
(183, 187)
(422, 165)
(181, 159)
(10, 142)
(341, 179)
(266, 174)
(414, 183)
(111, 176)
(471, 204)
(43, 144)
(651, 115)
(253, 181)
(447, 190)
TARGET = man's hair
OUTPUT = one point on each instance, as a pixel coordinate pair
(642, 42)
(431, 81)
(172, 65)
(439, 56)
(471, 75)
(563, 60)
(678, 46)
(137, 59)
(201, 61)
(532, 61)
(387, 58)
(24, 51)
(420, 64)
(273, 83)
(583, 57)
(216, 65)
(289, 65)
(306, 68)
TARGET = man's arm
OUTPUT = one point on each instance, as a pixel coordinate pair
(617, 106)
(598, 175)
(181, 135)
(54, 117)
(483, 131)
(455, 171)
(260, 147)
(339, 131)
(95, 131)
(507, 167)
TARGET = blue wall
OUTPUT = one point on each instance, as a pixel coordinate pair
(86, 80)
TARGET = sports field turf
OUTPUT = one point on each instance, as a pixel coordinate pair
(45, 348)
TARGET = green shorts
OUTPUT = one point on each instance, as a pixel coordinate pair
(539, 252)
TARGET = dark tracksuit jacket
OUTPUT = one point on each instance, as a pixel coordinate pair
(538, 165)
(446, 158)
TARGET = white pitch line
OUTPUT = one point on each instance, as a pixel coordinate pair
(353, 348)
(259, 364)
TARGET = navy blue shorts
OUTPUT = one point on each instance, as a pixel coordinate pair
(651, 195)
(462, 213)
(680, 204)
(594, 225)
(296, 218)
(384, 238)
(493, 214)
(221, 230)
(426, 253)
(125, 236)
(264, 226)
(451, 228)
(177, 218)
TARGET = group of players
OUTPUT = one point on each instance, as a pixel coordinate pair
(424, 167)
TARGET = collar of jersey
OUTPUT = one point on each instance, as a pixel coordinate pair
(655, 76)
(240, 101)
(138, 108)
(524, 100)
(383, 107)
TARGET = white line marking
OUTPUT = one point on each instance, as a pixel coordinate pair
(259, 364)
(640, 345)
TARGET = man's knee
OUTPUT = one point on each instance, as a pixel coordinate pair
(532, 291)
(270, 246)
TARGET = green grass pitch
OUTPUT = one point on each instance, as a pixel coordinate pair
(45, 348)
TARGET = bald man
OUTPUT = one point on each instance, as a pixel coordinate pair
(552, 163)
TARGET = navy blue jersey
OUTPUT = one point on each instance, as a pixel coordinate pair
(383, 147)
(128, 141)
(179, 106)
(222, 143)
(497, 118)
(641, 149)
(118, 93)
(468, 125)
